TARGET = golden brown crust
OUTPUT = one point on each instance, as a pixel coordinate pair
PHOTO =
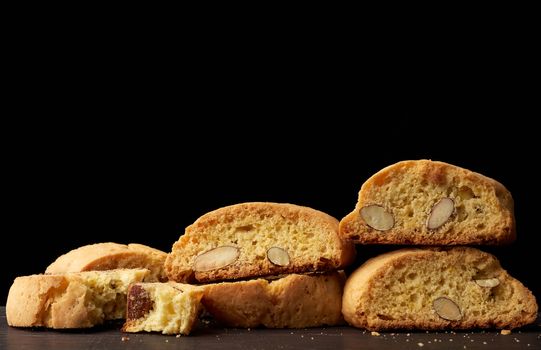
(110, 256)
(509, 305)
(294, 301)
(254, 228)
(69, 300)
(433, 177)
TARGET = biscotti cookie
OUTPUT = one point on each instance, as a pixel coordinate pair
(430, 203)
(109, 256)
(72, 300)
(257, 239)
(436, 288)
(293, 301)
(169, 308)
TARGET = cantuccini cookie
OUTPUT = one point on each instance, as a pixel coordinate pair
(257, 239)
(430, 203)
(109, 256)
(71, 300)
(292, 301)
(436, 288)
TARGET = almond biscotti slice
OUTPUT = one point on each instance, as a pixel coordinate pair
(436, 288)
(71, 300)
(292, 301)
(430, 203)
(109, 256)
(169, 308)
(257, 239)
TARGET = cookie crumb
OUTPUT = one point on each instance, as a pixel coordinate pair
(125, 338)
(420, 344)
(178, 335)
(375, 334)
(505, 332)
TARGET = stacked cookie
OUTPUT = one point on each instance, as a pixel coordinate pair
(442, 287)
(84, 287)
(257, 264)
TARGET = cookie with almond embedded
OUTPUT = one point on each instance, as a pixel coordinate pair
(257, 239)
(436, 288)
(430, 203)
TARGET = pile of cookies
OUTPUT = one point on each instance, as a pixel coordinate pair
(296, 249)
(445, 286)
(280, 265)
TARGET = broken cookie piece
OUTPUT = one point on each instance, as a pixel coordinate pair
(169, 308)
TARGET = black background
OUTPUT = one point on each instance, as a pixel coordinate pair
(131, 138)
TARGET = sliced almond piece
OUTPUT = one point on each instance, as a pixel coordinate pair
(216, 258)
(447, 309)
(440, 213)
(278, 256)
(488, 282)
(377, 217)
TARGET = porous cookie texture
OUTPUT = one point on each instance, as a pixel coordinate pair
(257, 239)
(293, 301)
(430, 203)
(71, 300)
(109, 256)
(436, 288)
(169, 308)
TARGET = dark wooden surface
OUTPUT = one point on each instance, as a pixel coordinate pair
(212, 337)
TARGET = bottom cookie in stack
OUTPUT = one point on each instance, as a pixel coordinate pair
(291, 301)
(436, 288)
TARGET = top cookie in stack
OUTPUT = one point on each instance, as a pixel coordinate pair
(257, 239)
(430, 203)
